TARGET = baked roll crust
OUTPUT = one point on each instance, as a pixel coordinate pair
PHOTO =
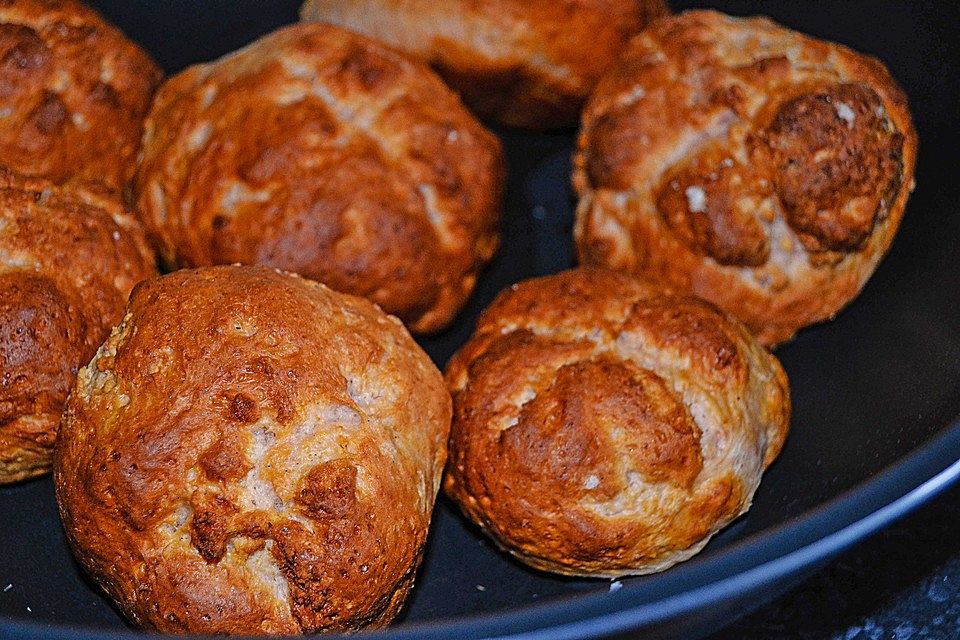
(525, 63)
(69, 257)
(252, 453)
(73, 93)
(325, 153)
(753, 166)
(604, 426)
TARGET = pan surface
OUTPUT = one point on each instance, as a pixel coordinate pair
(876, 426)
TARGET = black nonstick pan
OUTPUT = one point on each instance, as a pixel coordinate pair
(876, 426)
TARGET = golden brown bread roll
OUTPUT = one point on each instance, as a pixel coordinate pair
(753, 166)
(526, 63)
(604, 427)
(251, 452)
(73, 93)
(322, 152)
(69, 257)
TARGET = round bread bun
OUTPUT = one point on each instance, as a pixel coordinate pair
(69, 257)
(252, 453)
(524, 63)
(753, 166)
(73, 93)
(325, 153)
(605, 427)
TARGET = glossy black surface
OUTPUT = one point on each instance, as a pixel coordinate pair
(876, 392)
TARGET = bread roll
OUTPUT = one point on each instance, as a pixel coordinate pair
(252, 453)
(324, 153)
(605, 427)
(525, 63)
(753, 166)
(73, 93)
(68, 259)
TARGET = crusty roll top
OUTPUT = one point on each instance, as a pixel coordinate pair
(251, 452)
(759, 168)
(604, 426)
(325, 153)
(527, 63)
(68, 259)
(73, 93)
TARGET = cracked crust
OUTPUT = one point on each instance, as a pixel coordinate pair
(604, 426)
(69, 257)
(252, 453)
(324, 153)
(753, 166)
(73, 93)
(526, 63)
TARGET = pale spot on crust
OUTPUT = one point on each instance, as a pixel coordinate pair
(354, 115)
(79, 121)
(246, 327)
(289, 94)
(696, 199)
(16, 260)
(61, 81)
(239, 193)
(208, 95)
(324, 416)
(788, 257)
(182, 514)
(92, 379)
(325, 432)
(366, 396)
(199, 136)
(436, 215)
(160, 359)
(631, 97)
(256, 491)
(106, 70)
(298, 69)
(264, 568)
(172, 527)
(845, 113)
(158, 201)
(526, 394)
(424, 497)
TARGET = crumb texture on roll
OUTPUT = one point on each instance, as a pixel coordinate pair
(324, 153)
(73, 93)
(252, 453)
(526, 63)
(605, 427)
(753, 166)
(68, 259)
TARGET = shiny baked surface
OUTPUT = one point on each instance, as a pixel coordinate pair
(526, 63)
(69, 257)
(753, 166)
(251, 452)
(873, 385)
(604, 426)
(73, 93)
(327, 154)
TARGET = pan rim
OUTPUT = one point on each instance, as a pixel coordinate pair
(813, 537)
